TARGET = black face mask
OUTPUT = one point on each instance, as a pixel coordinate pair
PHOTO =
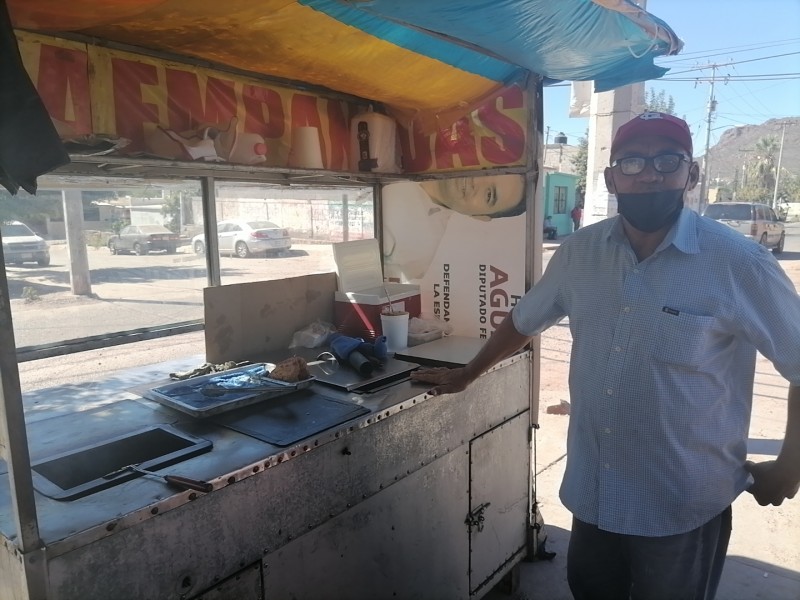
(650, 211)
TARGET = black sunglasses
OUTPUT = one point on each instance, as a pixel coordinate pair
(669, 162)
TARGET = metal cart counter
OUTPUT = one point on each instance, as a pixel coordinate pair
(417, 497)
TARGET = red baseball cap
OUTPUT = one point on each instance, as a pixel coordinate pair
(654, 123)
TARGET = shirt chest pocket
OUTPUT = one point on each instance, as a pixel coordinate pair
(686, 340)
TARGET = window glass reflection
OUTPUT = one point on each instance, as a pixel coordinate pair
(126, 264)
(275, 232)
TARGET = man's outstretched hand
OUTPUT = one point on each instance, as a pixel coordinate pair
(771, 484)
(445, 381)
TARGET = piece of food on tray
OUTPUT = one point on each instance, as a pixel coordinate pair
(291, 370)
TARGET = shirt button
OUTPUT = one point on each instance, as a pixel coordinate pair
(610, 392)
(636, 270)
(617, 349)
(608, 430)
(607, 466)
(626, 309)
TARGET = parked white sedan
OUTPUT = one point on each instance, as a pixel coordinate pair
(243, 238)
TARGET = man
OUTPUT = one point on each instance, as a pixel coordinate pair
(550, 232)
(576, 213)
(667, 310)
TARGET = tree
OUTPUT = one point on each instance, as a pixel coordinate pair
(579, 161)
(659, 102)
(177, 209)
(789, 187)
(760, 172)
(27, 208)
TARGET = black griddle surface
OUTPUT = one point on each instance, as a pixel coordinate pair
(288, 419)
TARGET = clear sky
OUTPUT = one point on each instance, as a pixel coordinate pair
(729, 33)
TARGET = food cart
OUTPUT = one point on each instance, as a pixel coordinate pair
(342, 486)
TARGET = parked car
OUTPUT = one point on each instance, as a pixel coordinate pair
(243, 238)
(755, 221)
(21, 245)
(142, 239)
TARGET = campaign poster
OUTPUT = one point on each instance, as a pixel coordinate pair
(462, 240)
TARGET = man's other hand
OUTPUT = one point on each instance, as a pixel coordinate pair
(445, 381)
(771, 484)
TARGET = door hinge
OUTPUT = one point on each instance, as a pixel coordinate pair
(475, 518)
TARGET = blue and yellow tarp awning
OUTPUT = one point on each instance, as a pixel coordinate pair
(417, 57)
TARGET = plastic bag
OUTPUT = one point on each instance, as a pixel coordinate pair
(313, 335)
(424, 329)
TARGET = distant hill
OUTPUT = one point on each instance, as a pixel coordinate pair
(737, 145)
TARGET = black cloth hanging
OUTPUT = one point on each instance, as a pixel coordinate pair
(29, 143)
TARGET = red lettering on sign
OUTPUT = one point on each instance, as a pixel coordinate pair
(131, 112)
(306, 114)
(188, 111)
(498, 298)
(263, 112)
(416, 151)
(500, 277)
(511, 144)
(456, 140)
(64, 87)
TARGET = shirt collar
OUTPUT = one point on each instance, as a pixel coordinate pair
(683, 234)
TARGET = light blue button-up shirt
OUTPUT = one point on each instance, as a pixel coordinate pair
(662, 366)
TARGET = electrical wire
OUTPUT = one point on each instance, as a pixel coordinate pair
(732, 79)
(755, 97)
(737, 62)
(728, 50)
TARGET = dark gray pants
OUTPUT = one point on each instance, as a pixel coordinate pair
(688, 566)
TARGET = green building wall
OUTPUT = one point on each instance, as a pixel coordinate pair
(561, 221)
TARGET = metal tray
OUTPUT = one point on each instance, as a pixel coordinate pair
(346, 378)
(450, 351)
(217, 393)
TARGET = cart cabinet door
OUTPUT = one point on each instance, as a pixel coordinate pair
(499, 483)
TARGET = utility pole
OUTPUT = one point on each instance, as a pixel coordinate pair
(778, 171)
(546, 141)
(712, 106)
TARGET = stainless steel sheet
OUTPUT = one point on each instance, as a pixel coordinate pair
(347, 378)
(450, 351)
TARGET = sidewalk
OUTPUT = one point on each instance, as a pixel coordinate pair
(550, 245)
(764, 553)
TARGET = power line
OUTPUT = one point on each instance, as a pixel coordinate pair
(729, 50)
(736, 62)
(739, 78)
(755, 97)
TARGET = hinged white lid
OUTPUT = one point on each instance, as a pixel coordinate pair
(358, 265)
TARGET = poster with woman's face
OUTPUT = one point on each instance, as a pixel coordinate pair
(462, 240)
